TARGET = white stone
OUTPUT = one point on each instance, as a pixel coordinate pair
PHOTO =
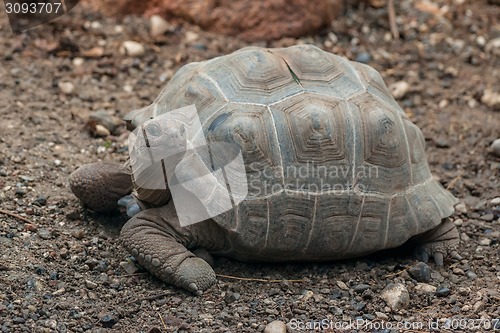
(158, 25)
(396, 296)
(493, 46)
(78, 61)
(491, 98)
(276, 326)
(66, 87)
(496, 201)
(307, 296)
(485, 242)
(133, 49)
(399, 89)
(425, 288)
(191, 36)
(342, 285)
(461, 208)
(101, 131)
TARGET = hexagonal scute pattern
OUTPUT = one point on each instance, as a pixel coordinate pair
(335, 168)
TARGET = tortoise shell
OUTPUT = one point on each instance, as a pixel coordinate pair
(335, 167)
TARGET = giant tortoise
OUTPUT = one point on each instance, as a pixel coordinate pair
(366, 185)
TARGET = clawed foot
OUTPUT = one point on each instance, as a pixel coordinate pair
(195, 275)
(158, 242)
(424, 252)
(438, 243)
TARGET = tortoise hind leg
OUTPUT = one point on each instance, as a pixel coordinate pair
(155, 238)
(438, 243)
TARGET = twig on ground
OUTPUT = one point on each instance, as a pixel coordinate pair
(17, 216)
(392, 19)
(396, 273)
(254, 279)
(150, 298)
(454, 180)
(162, 321)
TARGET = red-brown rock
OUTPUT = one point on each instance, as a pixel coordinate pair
(249, 19)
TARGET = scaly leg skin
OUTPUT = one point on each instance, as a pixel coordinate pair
(100, 185)
(158, 242)
(438, 243)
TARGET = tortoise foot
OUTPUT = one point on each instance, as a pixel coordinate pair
(438, 243)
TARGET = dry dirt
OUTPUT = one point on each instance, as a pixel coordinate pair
(62, 267)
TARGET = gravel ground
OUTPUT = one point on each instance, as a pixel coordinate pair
(62, 268)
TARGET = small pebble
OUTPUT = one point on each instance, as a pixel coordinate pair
(101, 131)
(381, 316)
(106, 119)
(132, 48)
(396, 296)
(458, 222)
(425, 288)
(488, 217)
(232, 297)
(495, 201)
(129, 266)
(485, 242)
(158, 25)
(91, 285)
(78, 233)
(493, 46)
(342, 285)
(364, 57)
(276, 326)
(399, 89)
(471, 275)
(442, 292)
(491, 99)
(40, 200)
(20, 190)
(44, 234)
(95, 52)
(495, 148)
(78, 61)
(461, 208)
(191, 36)
(420, 272)
(333, 37)
(359, 288)
(66, 87)
(442, 143)
(108, 320)
(307, 295)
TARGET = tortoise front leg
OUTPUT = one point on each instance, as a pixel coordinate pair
(160, 244)
(438, 243)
